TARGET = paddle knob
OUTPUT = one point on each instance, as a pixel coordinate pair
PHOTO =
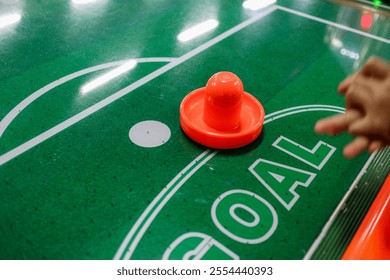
(223, 100)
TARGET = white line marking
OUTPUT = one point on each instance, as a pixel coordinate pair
(325, 229)
(103, 103)
(289, 204)
(267, 120)
(149, 209)
(155, 212)
(53, 131)
(5, 122)
(312, 151)
(305, 107)
(384, 40)
(269, 230)
(206, 240)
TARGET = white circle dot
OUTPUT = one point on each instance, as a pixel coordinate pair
(149, 134)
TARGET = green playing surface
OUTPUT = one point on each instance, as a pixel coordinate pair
(107, 172)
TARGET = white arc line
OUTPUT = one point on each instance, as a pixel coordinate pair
(304, 107)
(151, 214)
(44, 136)
(6, 121)
(103, 103)
(149, 209)
(165, 201)
(267, 120)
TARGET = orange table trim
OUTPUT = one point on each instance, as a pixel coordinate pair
(372, 239)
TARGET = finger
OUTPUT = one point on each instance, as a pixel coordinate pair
(362, 126)
(376, 68)
(358, 93)
(370, 126)
(357, 146)
(337, 124)
(345, 84)
(376, 145)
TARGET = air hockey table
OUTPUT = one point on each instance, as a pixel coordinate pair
(94, 163)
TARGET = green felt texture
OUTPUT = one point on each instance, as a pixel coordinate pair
(88, 192)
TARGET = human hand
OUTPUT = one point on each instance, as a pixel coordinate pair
(367, 116)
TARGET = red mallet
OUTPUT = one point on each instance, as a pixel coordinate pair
(222, 115)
